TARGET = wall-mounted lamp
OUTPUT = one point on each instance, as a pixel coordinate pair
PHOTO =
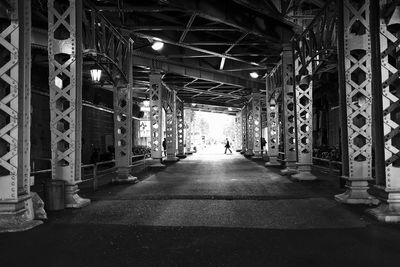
(254, 75)
(272, 103)
(95, 74)
(193, 104)
(229, 109)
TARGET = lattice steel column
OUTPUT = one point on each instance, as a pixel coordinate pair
(16, 212)
(180, 114)
(238, 131)
(123, 125)
(289, 124)
(156, 115)
(272, 123)
(385, 35)
(250, 129)
(189, 114)
(244, 129)
(357, 52)
(256, 110)
(304, 104)
(65, 80)
(171, 127)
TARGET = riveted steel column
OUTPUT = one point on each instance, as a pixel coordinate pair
(123, 125)
(181, 129)
(289, 115)
(16, 212)
(189, 128)
(272, 123)
(357, 50)
(256, 110)
(244, 129)
(238, 131)
(304, 108)
(65, 80)
(171, 130)
(156, 115)
(250, 128)
(386, 98)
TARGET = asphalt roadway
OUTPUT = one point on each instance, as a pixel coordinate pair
(209, 210)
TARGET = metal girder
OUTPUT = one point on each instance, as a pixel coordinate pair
(179, 28)
(167, 66)
(167, 41)
(250, 23)
(221, 67)
(189, 24)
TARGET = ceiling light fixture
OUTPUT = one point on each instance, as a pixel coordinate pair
(157, 45)
(254, 75)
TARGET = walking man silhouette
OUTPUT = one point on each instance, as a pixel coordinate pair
(227, 146)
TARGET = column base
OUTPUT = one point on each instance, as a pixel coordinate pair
(181, 156)
(156, 164)
(124, 176)
(125, 180)
(356, 193)
(17, 216)
(72, 199)
(171, 159)
(304, 173)
(257, 155)
(288, 171)
(249, 153)
(304, 176)
(389, 209)
(273, 162)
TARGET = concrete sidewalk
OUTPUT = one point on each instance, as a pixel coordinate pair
(209, 210)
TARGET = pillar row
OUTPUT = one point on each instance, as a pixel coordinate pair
(65, 81)
(256, 133)
(238, 131)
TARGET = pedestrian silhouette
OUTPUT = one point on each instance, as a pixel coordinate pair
(227, 146)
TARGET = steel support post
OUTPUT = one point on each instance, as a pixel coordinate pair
(156, 117)
(250, 129)
(304, 108)
(256, 110)
(357, 52)
(188, 126)
(244, 129)
(16, 210)
(289, 120)
(272, 123)
(171, 127)
(65, 80)
(181, 129)
(386, 95)
(123, 125)
(238, 132)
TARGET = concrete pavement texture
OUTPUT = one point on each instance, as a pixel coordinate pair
(209, 210)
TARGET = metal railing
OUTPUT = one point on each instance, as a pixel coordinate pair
(95, 174)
